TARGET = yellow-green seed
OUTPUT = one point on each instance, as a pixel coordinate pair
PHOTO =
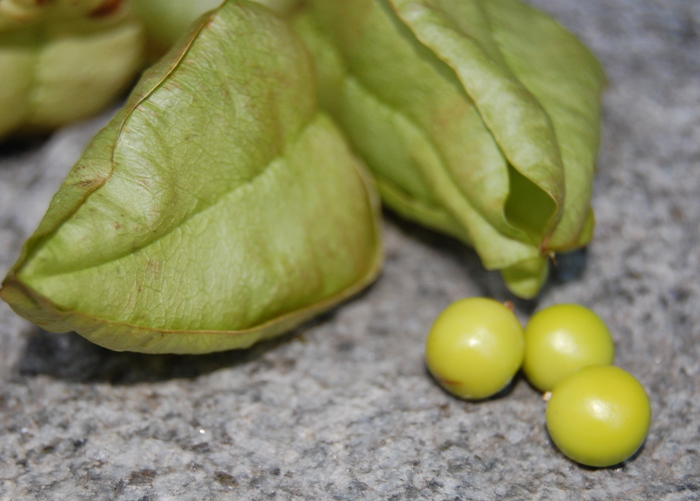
(561, 339)
(599, 415)
(474, 348)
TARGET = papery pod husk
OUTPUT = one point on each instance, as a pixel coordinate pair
(64, 60)
(480, 119)
(220, 207)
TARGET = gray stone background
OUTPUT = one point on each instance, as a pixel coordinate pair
(343, 408)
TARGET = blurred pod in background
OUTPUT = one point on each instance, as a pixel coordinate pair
(167, 20)
(64, 60)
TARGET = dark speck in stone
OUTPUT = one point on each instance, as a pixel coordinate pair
(119, 487)
(142, 477)
(456, 466)
(226, 480)
(200, 448)
(434, 485)
(380, 330)
(345, 346)
(680, 295)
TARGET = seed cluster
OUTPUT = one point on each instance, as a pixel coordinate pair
(597, 415)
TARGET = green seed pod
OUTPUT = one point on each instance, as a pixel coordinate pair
(478, 118)
(218, 208)
(64, 60)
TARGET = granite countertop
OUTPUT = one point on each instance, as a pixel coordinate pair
(342, 408)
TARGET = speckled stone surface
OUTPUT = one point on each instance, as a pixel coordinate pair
(343, 408)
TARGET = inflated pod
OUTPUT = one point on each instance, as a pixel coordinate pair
(478, 118)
